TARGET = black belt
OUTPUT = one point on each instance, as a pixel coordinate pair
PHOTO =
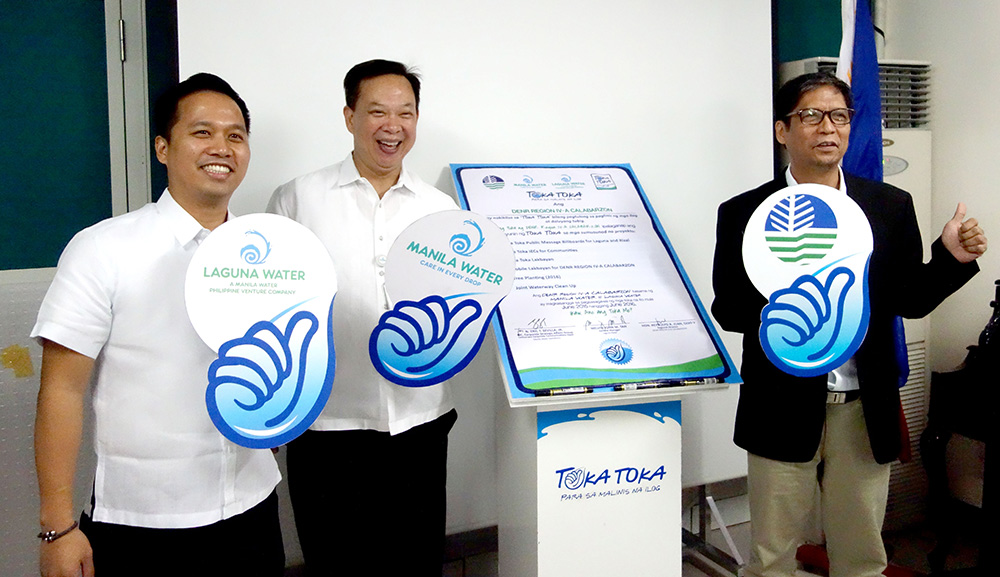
(841, 397)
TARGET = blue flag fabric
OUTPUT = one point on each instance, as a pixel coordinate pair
(858, 66)
(864, 152)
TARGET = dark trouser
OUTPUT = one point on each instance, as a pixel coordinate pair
(248, 544)
(370, 503)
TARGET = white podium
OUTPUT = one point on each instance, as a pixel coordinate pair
(589, 485)
(599, 337)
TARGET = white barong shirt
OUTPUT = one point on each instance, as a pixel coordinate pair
(118, 297)
(358, 228)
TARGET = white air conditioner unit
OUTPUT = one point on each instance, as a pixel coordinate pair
(906, 158)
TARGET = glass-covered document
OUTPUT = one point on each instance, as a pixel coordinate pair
(600, 299)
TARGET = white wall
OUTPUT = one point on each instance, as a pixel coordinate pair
(681, 90)
(960, 41)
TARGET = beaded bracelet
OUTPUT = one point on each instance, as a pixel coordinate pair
(50, 536)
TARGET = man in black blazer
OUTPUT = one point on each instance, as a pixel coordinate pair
(849, 419)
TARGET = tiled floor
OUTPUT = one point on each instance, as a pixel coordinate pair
(485, 565)
(908, 549)
(482, 565)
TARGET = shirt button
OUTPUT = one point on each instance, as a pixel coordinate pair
(380, 260)
(381, 273)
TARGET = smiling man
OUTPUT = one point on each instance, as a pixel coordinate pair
(171, 495)
(848, 420)
(367, 481)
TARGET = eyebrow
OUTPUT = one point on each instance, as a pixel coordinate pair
(374, 104)
(209, 124)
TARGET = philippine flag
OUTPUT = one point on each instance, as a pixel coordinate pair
(858, 66)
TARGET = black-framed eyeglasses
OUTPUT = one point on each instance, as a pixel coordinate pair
(814, 116)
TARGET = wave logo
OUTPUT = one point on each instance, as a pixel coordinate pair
(527, 179)
(269, 385)
(437, 321)
(251, 253)
(566, 178)
(815, 325)
(572, 479)
(463, 245)
(616, 351)
(493, 182)
(800, 229)
(423, 343)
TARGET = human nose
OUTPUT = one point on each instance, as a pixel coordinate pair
(393, 123)
(220, 146)
(826, 123)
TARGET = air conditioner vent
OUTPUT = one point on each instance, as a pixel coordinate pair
(905, 94)
(907, 504)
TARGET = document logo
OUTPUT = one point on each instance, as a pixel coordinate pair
(493, 182)
(604, 182)
(566, 181)
(617, 351)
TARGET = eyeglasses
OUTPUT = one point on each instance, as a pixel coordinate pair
(814, 116)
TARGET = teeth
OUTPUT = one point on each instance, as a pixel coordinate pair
(388, 144)
(217, 169)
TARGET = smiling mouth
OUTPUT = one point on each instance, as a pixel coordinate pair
(388, 146)
(217, 169)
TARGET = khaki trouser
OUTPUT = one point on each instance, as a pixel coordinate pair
(852, 497)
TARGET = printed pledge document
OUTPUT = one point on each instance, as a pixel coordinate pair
(600, 301)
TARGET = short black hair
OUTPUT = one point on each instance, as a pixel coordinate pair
(373, 68)
(165, 111)
(792, 91)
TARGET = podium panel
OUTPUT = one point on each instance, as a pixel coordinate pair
(590, 490)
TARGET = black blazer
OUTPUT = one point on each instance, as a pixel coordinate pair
(781, 417)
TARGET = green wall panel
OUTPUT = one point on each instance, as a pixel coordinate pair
(55, 176)
(807, 28)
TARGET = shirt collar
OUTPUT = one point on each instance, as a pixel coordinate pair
(184, 226)
(790, 180)
(349, 174)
